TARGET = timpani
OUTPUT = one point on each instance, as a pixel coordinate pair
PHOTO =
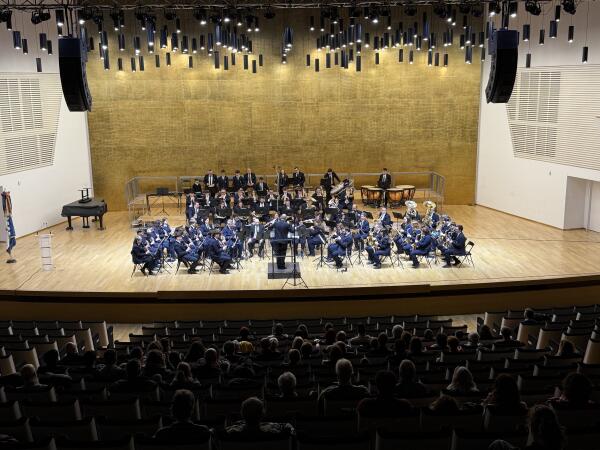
(363, 193)
(394, 196)
(374, 195)
(408, 192)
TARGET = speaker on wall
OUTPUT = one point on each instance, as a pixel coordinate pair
(72, 57)
(504, 51)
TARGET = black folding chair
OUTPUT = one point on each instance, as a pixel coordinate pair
(467, 256)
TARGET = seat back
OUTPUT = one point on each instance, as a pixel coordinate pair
(326, 426)
(407, 423)
(468, 420)
(109, 428)
(63, 409)
(548, 335)
(280, 407)
(47, 394)
(101, 330)
(116, 409)
(19, 429)
(496, 422)
(276, 443)
(24, 356)
(577, 419)
(340, 407)
(9, 411)
(352, 442)
(80, 430)
(527, 330)
(117, 444)
(469, 440)
(592, 352)
(430, 440)
(7, 365)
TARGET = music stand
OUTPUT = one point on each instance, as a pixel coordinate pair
(368, 214)
(397, 216)
(308, 214)
(296, 278)
(162, 192)
(331, 223)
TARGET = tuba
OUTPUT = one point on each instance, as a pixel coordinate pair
(430, 209)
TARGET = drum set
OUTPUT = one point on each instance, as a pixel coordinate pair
(397, 196)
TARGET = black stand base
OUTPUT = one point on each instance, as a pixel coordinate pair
(11, 261)
(274, 273)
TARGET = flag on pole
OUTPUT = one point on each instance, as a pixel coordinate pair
(10, 226)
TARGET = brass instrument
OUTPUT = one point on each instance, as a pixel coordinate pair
(341, 187)
(430, 209)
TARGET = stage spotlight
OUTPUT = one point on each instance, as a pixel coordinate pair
(477, 10)
(557, 13)
(526, 32)
(6, 16)
(60, 17)
(178, 25)
(39, 16)
(440, 10)
(256, 27)
(269, 13)
(495, 8)
(226, 18)
(553, 33)
(116, 17)
(410, 10)
(17, 40)
(98, 17)
(569, 6)
(584, 56)
(528, 60)
(464, 8)
(571, 34)
(84, 15)
(200, 16)
(25, 47)
(533, 7)
(513, 8)
(43, 42)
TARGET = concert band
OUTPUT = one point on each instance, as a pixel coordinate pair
(229, 220)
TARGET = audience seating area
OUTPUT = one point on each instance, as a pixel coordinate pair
(433, 383)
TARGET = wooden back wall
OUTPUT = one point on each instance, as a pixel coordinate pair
(180, 121)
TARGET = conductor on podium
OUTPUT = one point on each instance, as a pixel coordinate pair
(281, 228)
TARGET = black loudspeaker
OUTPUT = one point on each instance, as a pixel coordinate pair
(504, 51)
(72, 57)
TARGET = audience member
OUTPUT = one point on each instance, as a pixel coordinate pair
(252, 426)
(505, 397)
(50, 364)
(109, 371)
(134, 381)
(444, 405)
(454, 345)
(397, 331)
(31, 382)
(530, 317)
(210, 366)
(155, 366)
(287, 385)
(384, 404)
(576, 392)
(472, 341)
(566, 349)
(428, 335)
(415, 347)
(545, 432)
(485, 333)
(441, 342)
(408, 385)
(507, 340)
(195, 352)
(184, 379)
(361, 338)
(72, 356)
(462, 382)
(183, 430)
(343, 389)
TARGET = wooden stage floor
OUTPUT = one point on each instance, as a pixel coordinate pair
(507, 249)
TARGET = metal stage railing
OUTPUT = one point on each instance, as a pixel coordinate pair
(429, 185)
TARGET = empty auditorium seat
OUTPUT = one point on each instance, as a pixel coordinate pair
(7, 365)
(115, 409)
(64, 409)
(19, 429)
(109, 428)
(592, 352)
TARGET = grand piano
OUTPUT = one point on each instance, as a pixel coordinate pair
(91, 207)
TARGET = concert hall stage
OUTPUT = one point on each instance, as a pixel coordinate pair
(517, 262)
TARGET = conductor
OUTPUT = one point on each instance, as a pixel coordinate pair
(281, 228)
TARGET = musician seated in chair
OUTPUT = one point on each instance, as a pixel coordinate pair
(422, 247)
(456, 247)
(316, 237)
(140, 254)
(214, 251)
(337, 249)
(234, 245)
(384, 218)
(186, 254)
(362, 231)
(196, 187)
(383, 249)
(256, 233)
